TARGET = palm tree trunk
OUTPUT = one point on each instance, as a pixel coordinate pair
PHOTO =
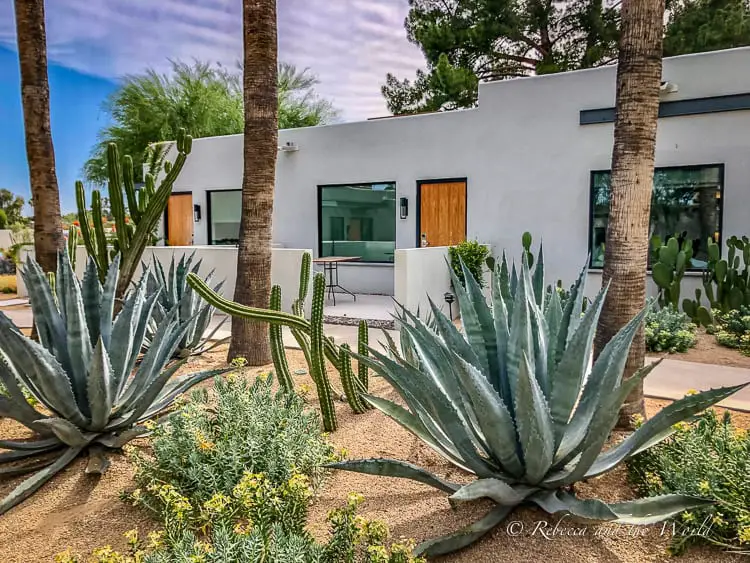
(253, 287)
(626, 253)
(32, 53)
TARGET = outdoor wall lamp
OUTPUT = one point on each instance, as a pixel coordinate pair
(404, 207)
(449, 298)
(197, 213)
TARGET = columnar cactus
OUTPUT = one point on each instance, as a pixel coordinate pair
(145, 208)
(362, 345)
(349, 381)
(277, 344)
(317, 356)
(72, 245)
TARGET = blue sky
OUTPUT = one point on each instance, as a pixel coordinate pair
(349, 44)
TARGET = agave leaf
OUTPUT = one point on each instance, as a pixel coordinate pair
(569, 375)
(656, 509)
(414, 425)
(78, 342)
(25, 468)
(395, 468)
(557, 501)
(520, 341)
(123, 332)
(430, 398)
(15, 455)
(494, 419)
(147, 382)
(16, 402)
(501, 318)
(553, 317)
(605, 376)
(494, 489)
(31, 445)
(116, 441)
(659, 427)
(91, 293)
(106, 311)
(100, 389)
(33, 483)
(178, 386)
(486, 339)
(571, 316)
(603, 422)
(534, 425)
(452, 336)
(48, 377)
(465, 536)
(538, 278)
(439, 364)
(66, 431)
(472, 323)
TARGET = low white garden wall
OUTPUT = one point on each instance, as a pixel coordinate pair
(285, 267)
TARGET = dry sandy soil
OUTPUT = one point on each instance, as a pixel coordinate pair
(708, 351)
(82, 512)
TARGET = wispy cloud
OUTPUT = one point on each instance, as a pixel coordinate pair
(350, 44)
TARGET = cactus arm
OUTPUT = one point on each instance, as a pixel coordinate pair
(347, 380)
(304, 280)
(277, 345)
(152, 214)
(363, 341)
(86, 234)
(242, 311)
(101, 237)
(115, 197)
(317, 339)
(129, 184)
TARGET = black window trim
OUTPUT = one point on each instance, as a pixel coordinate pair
(722, 178)
(320, 216)
(209, 234)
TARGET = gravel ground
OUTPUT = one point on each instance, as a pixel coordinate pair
(82, 512)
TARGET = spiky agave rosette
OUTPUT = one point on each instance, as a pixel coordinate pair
(174, 292)
(83, 373)
(508, 398)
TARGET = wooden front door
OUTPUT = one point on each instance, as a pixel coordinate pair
(442, 213)
(180, 220)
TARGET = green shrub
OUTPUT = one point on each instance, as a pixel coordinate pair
(207, 451)
(352, 539)
(732, 329)
(668, 330)
(474, 255)
(709, 457)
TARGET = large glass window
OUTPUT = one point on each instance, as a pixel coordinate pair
(686, 203)
(224, 220)
(358, 220)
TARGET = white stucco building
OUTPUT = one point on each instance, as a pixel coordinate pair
(533, 156)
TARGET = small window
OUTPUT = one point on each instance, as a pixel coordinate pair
(686, 203)
(358, 220)
(225, 213)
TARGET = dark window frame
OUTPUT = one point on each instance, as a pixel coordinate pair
(319, 198)
(209, 233)
(722, 182)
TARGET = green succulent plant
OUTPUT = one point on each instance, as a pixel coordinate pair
(83, 374)
(510, 399)
(174, 292)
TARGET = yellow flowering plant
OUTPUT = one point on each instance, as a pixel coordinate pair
(709, 457)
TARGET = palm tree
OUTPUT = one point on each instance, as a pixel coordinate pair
(260, 86)
(45, 197)
(626, 253)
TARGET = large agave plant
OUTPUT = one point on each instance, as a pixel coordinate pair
(510, 399)
(193, 311)
(90, 396)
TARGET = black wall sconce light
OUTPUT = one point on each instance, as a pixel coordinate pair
(404, 207)
(449, 298)
(197, 213)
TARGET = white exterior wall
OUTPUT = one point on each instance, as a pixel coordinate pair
(526, 158)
